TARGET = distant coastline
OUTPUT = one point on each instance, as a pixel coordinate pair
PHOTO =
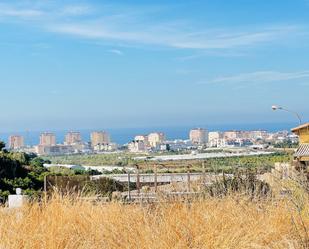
(125, 135)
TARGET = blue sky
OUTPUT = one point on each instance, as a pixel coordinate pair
(92, 64)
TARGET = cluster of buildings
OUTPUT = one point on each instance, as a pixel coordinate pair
(199, 138)
(73, 144)
(248, 138)
(142, 143)
(156, 141)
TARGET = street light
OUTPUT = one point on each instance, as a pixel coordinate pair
(275, 108)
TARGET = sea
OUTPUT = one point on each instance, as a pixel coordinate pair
(125, 135)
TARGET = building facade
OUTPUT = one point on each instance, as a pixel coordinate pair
(198, 136)
(16, 142)
(217, 143)
(301, 156)
(54, 150)
(47, 139)
(99, 137)
(142, 138)
(72, 138)
(231, 135)
(137, 146)
(258, 134)
(105, 147)
(156, 138)
(214, 135)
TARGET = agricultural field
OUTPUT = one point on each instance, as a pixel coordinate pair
(120, 159)
(227, 165)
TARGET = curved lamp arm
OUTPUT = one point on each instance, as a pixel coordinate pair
(274, 107)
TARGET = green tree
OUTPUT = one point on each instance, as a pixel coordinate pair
(2, 145)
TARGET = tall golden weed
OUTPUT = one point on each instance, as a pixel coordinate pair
(230, 222)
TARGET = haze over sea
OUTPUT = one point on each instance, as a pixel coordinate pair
(125, 135)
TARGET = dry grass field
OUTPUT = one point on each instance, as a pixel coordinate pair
(229, 222)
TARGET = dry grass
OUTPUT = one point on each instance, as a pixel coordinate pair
(231, 222)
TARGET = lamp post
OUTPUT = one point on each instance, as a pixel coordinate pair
(275, 108)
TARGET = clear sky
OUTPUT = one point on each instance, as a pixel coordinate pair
(88, 64)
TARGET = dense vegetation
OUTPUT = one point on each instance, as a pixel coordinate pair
(286, 144)
(20, 170)
(27, 171)
(84, 186)
(247, 184)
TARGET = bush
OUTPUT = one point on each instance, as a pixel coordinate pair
(241, 183)
(104, 187)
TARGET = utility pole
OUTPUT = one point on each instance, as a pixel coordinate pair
(45, 189)
(45, 184)
(188, 177)
(129, 188)
(138, 180)
(156, 178)
(204, 172)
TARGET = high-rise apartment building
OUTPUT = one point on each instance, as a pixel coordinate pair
(214, 135)
(156, 138)
(47, 139)
(198, 136)
(16, 142)
(72, 137)
(99, 137)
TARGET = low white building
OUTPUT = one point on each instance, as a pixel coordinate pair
(54, 150)
(218, 143)
(105, 147)
(137, 146)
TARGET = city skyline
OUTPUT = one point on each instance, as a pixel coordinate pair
(155, 141)
(88, 64)
(122, 136)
